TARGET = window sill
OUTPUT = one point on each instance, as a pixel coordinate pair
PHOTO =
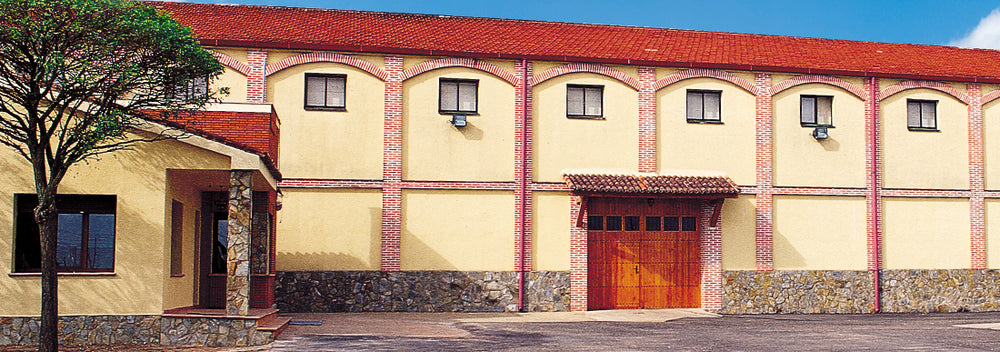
(814, 125)
(64, 274)
(466, 113)
(710, 122)
(585, 117)
(176, 275)
(322, 108)
(923, 129)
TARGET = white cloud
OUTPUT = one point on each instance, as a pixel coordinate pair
(986, 35)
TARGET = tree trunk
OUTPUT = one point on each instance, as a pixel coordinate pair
(47, 218)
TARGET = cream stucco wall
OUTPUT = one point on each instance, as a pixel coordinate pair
(728, 146)
(820, 233)
(233, 80)
(922, 159)
(138, 179)
(435, 150)
(181, 291)
(993, 233)
(561, 143)
(739, 233)
(457, 230)
(329, 144)
(925, 233)
(551, 223)
(800, 159)
(991, 144)
(329, 229)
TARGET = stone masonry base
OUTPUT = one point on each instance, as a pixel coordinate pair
(137, 330)
(829, 291)
(419, 291)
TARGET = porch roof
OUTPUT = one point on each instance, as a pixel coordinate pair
(667, 182)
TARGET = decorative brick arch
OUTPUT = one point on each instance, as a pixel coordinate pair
(232, 63)
(989, 97)
(705, 73)
(307, 58)
(460, 62)
(585, 67)
(938, 86)
(828, 80)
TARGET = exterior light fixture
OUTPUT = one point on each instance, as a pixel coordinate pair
(821, 133)
(458, 120)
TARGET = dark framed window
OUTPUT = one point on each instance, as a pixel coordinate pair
(614, 223)
(326, 91)
(652, 223)
(197, 87)
(458, 96)
(595, 223)
(689, 223)
(584, 101)
(632, 223)
(176, 239)
(85, 228)
(816, 110)
(704, 106)
(670, 223)
(921, 115)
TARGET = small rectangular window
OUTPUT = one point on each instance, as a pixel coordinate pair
(584, 101)
(704, 106)
(689, 224)
(921, 115)
(85, 233)
(595, 223)
(652, 223)
(614, 223)
(458, 96)
(326, 91)
(816, 110)
(632, 223)
(176, 239)
(670, 223)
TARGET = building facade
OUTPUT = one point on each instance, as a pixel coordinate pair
(437, 163)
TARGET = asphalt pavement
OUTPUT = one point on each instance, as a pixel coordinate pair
(641, 330)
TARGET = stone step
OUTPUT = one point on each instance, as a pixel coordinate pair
(274, 324)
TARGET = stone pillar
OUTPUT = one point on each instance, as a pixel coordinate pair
(238, 258)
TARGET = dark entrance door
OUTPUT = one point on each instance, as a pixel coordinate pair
(643, 253)
(213, 249)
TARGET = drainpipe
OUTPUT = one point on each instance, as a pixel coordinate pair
(876, 185)
(524, 179)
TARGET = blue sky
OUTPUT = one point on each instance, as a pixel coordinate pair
(938, 22)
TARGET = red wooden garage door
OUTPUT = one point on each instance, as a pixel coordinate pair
(643, 253)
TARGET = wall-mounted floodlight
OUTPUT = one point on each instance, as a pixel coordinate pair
(458, 120)
(821, 133)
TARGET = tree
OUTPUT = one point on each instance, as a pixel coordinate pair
(76, 78)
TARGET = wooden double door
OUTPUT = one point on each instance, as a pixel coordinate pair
(643, 253)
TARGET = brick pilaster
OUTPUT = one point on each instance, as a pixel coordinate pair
(977, 210)
(873, 181)
(257, 60)
(392, 164)
(765, 185)
(711, 260)
(647, 119)
(522, 168)
(577, 258)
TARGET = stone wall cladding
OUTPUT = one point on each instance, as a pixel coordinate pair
(78, 330)
(211, 332)
(770, 292)
(956, 290)
(418, 291)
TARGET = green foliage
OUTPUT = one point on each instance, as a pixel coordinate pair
(75, 75)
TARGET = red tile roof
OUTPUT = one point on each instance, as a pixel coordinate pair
(363, 31)
(678, 183)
